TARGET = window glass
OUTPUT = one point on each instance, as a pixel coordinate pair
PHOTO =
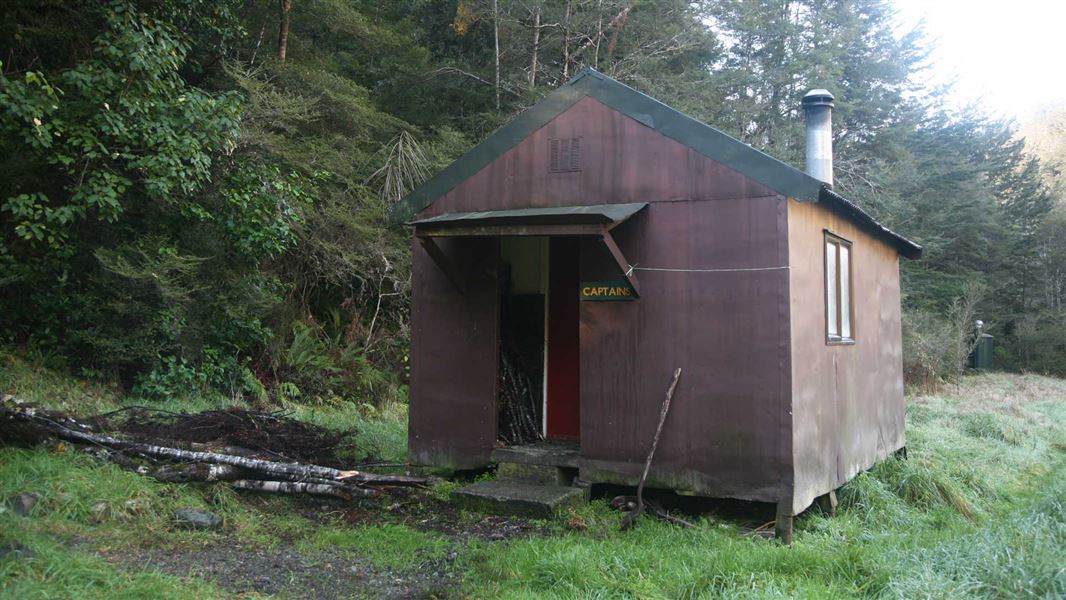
(845, 292)
(833, 327)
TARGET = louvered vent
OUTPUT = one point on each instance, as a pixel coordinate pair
(564, 155)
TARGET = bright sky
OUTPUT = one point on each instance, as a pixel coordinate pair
(1008, 55)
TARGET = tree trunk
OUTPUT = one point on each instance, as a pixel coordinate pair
(599, 34)
(617, 24)
(536, 48)
(594, 41)
(283, 30)
(258, 43)
(496, 41)
(566, 40)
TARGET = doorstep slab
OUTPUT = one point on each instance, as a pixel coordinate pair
(543, 452)
(538, 474)
(518, 499)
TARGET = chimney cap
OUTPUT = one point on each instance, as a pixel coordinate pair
(818, 97)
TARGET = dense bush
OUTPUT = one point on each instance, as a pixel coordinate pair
(183, 207)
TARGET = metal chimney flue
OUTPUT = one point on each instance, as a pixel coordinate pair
(818, 107)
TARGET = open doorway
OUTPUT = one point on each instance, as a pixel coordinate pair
(523, 294)
(539, 357)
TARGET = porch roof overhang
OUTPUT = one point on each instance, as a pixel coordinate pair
(554, 220)
(595, 221)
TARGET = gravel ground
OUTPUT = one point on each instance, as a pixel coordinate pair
(289, 573)
(242, 568)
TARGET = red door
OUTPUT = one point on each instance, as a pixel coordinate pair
(563, 416)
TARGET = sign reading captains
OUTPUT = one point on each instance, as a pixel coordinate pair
(607, 291)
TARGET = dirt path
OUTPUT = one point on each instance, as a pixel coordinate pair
(287, 572)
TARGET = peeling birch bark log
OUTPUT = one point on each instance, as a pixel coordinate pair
(294, 487)
(39, 422)
(262, 466)
(198, 472)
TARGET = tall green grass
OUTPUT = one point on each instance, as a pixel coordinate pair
(977, 511)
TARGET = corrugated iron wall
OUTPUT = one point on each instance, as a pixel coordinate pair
(847, 399)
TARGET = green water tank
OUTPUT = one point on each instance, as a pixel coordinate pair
(981, 359)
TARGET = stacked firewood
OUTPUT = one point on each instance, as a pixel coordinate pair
(24, 424)
(518, 398)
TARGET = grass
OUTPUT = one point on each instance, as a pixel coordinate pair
(380, 433)
(386, 546)
(133, 510)
(58, 571)
(977, 511)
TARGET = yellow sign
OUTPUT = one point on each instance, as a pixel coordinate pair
(607, 291)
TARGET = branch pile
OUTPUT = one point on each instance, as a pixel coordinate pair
(25, 424)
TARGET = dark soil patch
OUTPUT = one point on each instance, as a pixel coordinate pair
(271, 436)
(415, 508)
(425, 513)
(242, 568)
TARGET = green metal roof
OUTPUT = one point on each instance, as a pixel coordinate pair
(767, 170)
(597, 213)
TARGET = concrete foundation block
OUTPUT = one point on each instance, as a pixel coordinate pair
(518, 498)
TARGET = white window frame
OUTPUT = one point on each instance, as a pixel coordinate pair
(839, 326)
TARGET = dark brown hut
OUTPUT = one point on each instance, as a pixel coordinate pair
(602, 239)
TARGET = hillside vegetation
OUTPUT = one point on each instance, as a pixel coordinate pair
(195, 191)
(977, 511)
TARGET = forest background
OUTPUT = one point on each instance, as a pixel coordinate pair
(195, 192)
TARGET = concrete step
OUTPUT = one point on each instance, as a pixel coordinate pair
(518, 498)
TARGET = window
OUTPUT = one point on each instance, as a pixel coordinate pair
(838, 302)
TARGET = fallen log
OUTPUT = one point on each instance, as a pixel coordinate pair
(41, 423)
(198, 472)
(296, 487)
(206, 472)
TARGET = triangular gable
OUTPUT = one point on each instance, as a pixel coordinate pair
(702, 138)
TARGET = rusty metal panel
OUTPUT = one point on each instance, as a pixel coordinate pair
(622, 161)
(454, 362)
(729, 432)
(848, 401)
(714, 302)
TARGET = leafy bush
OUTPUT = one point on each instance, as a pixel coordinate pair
(175, 377)
(327, 361)
(937, 347)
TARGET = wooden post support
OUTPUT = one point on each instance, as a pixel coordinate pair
(828, 503)
(444, 263)
(783, 523)
(620, 259)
